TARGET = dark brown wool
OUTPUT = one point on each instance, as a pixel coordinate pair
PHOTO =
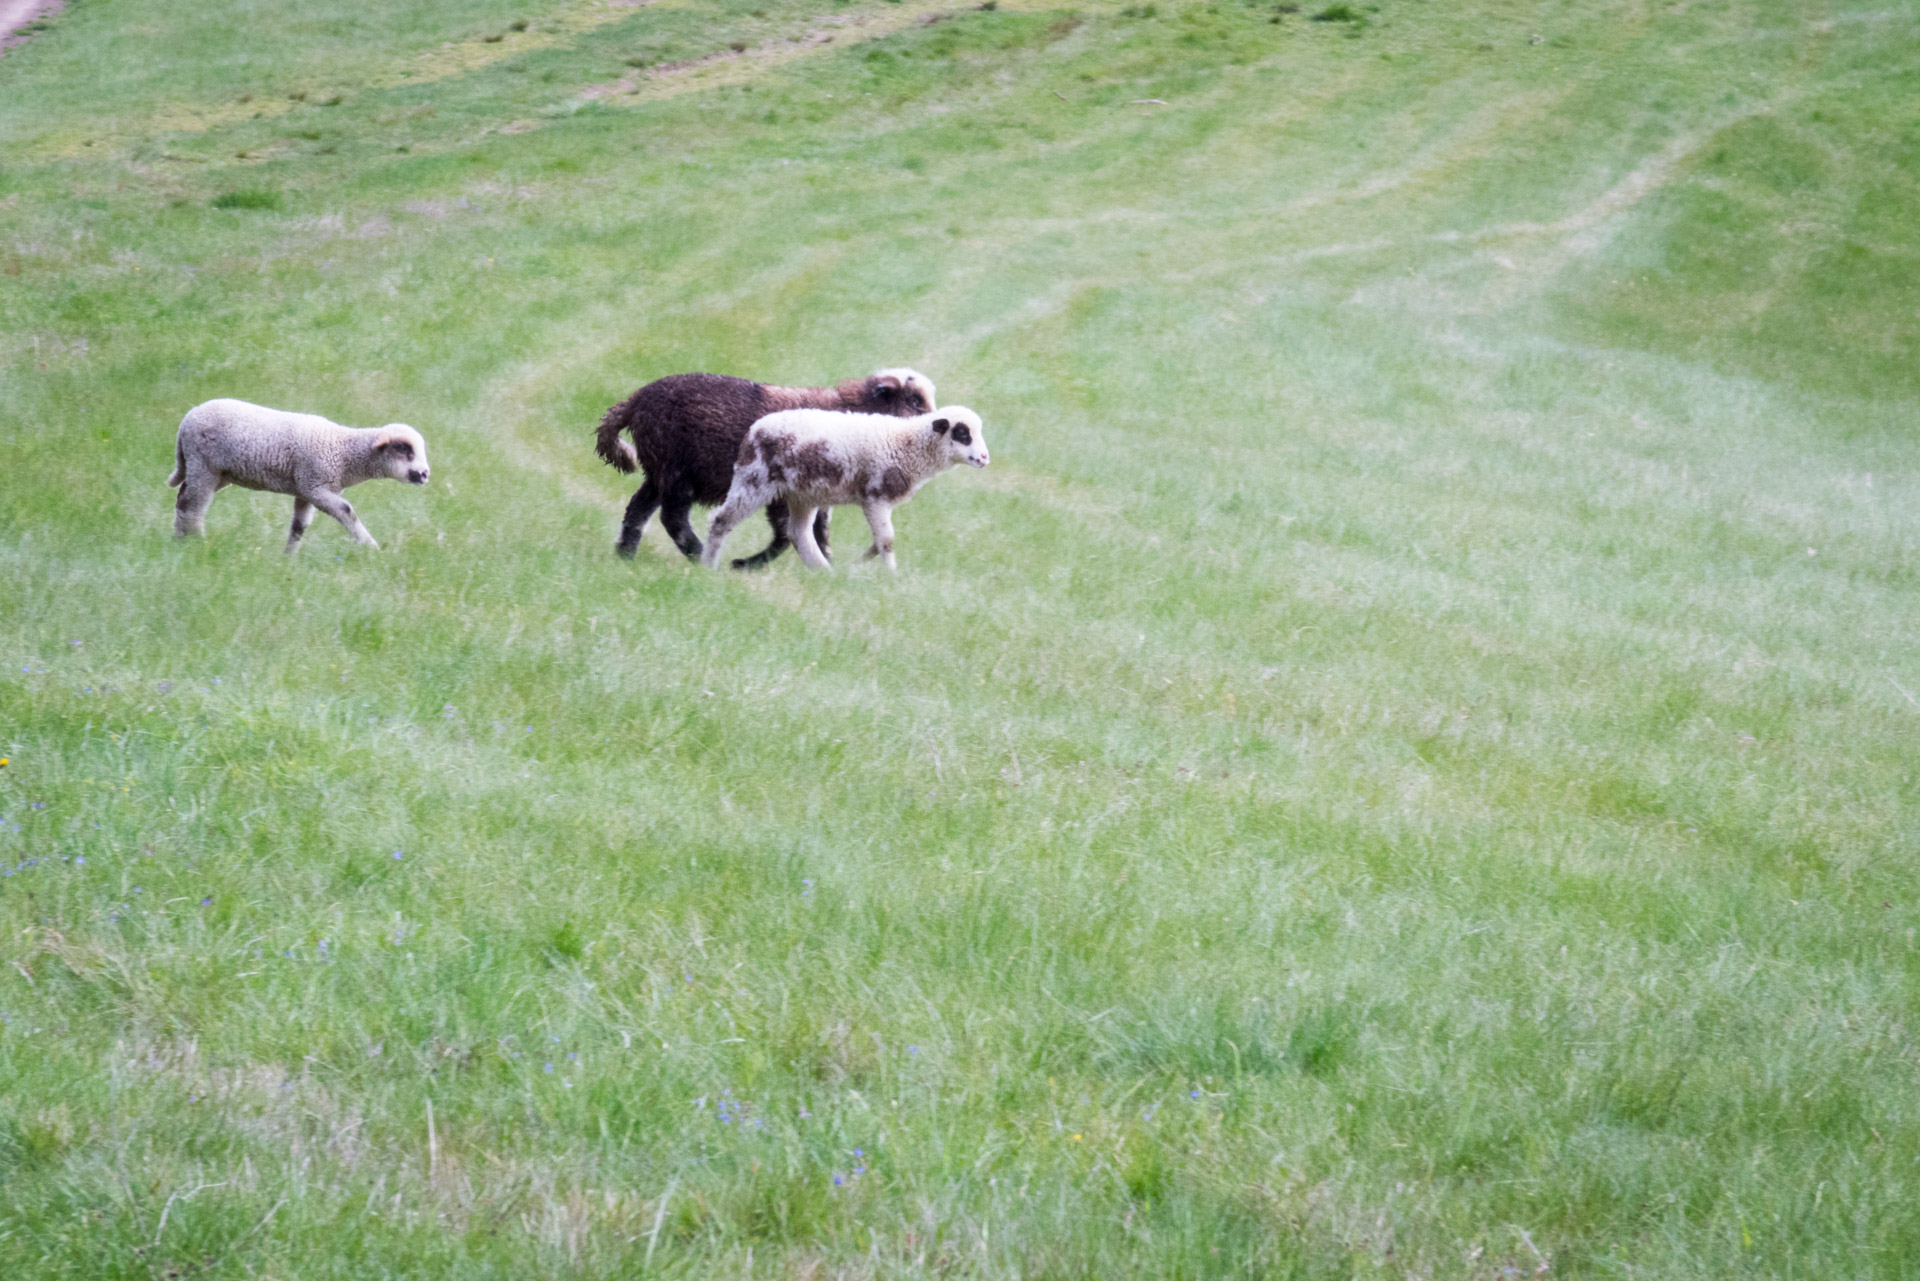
(687, 430)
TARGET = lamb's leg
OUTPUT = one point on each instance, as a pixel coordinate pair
(673, 518)
(800, 525)
(342, 510)
(820, 532)
(776, 517)
(639, 508)
(740, 504)
(196, 495)
(302, 517)
(880, 520)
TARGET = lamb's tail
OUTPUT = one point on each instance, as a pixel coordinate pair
(179, 465)
(616, 452)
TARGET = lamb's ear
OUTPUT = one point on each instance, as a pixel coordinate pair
(883, 388)
(390, 440)
(940, 426)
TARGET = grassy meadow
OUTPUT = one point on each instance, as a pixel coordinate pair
(1405, 766)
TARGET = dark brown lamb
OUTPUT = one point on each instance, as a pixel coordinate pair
(687, 429)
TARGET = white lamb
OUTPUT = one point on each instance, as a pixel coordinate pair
(813, 458)
(230, 442)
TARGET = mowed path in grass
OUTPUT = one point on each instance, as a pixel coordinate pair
(1403, 765)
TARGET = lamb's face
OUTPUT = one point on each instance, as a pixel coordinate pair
(404, 452)
(906, 392)
(916, 391)
(960, 428)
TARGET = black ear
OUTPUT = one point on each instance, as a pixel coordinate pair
(396, 444)
(884, 388)
(940, 426)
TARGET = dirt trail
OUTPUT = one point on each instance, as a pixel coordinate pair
(15, 14)
(736, 66)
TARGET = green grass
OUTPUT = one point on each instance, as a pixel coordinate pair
(1403, 767)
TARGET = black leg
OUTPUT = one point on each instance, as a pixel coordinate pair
(776, 517)
(820, 530)
(673, 517)
(645, 499)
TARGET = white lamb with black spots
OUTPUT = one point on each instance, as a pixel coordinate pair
(814, 458)
(230, 442)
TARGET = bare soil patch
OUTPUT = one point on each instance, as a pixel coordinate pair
(16, 14)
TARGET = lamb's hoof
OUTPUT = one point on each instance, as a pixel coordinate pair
(624, 552)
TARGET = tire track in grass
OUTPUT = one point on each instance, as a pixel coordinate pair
(728, 67)
(451, 59)
(464, 57)
(514, 399)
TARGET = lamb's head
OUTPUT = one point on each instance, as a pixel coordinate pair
(905, 392)
(401, 452)
(959, 427)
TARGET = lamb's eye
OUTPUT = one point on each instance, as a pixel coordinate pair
(962, 434)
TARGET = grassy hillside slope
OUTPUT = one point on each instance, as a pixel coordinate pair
(1404, 766)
